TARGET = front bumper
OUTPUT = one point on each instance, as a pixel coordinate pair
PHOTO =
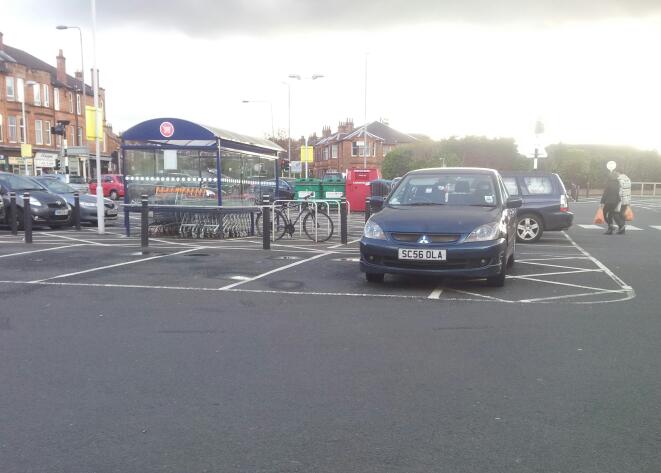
(46, 216)
(464, 260)
(89, 214)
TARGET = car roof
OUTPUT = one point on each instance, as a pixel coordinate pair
(454, 170)
(528, 173)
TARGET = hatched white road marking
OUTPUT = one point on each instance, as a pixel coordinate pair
(436, 293)
(656, 227)
(592, 227)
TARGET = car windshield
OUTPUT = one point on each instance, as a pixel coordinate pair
(19, 183)
(464, 189)
(57, 186)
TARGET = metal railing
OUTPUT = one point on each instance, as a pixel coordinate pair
(643, 186)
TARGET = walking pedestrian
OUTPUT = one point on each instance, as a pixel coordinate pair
(610, 201)
(625, 193)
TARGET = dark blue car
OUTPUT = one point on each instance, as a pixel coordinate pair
(457, 222)
(545, 204)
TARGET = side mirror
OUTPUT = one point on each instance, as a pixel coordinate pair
(514, 202)
(376, 204)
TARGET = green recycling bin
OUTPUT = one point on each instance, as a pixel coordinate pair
(333, 187)
(310, 188)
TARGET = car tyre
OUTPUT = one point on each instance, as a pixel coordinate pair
(375, 277)
(529, 228)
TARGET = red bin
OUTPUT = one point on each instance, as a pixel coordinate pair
(358, 187)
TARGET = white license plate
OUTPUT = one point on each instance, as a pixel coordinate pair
(334, 195)
(423, 255)
(62, 212)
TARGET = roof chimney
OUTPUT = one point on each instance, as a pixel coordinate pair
(61, 68)
(326, 132)
(2, 45)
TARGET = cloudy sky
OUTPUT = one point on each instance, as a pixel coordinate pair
(588, 68)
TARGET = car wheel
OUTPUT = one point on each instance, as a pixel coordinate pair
(529, 228)
(114, 195)
(375, 277)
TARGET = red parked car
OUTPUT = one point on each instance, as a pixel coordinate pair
(113, 186)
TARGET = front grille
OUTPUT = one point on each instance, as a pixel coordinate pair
(109, 206)
(432, 237)
(467, 263)
(56, 205)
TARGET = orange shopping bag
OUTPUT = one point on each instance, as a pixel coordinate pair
(599, 216)
(628, 214)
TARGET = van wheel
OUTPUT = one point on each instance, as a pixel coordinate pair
(529, 228)
(375, 277)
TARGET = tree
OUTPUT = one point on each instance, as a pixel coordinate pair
(405, 158)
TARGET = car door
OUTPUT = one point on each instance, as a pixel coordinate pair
(510, 213)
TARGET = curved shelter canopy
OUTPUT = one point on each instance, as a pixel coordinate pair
(180, 162)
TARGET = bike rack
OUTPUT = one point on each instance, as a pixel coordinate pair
(316, 203)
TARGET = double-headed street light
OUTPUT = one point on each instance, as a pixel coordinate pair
(82, 88)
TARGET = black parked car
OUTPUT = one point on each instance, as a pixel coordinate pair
(46, 208)
(545, 203)
(444, 222)
(267, 187)
(88, 212)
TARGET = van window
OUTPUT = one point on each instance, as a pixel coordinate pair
(538, 185)
(510, 184)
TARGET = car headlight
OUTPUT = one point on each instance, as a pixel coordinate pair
(373, 230)
(34, 202)
(488, 232)
(88, 205)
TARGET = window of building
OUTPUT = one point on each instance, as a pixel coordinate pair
(49, 139)
(56, 98)
(22, 127)
(70, 95)
(38, 132)
(78, 104)
(358, 149)
(324, 154)
(11, 123)
(1, 135)
(334, 151)
(58, 140)
(46, 96)
(80, 136)
(36, 94)
(11, 90)
(20, 90)
(72, 135)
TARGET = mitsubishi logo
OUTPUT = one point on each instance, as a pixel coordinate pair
(424, 240)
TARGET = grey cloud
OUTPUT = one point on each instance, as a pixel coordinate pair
(212, 18)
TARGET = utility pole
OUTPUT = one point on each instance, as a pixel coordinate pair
(365, 147)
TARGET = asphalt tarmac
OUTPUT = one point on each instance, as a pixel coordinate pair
(221, 357)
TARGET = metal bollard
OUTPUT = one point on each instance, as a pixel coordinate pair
(13, 222)
(343, 222)
(76, 210)
(144, 224)
(27, 218)
(266, 223)
(368, 209)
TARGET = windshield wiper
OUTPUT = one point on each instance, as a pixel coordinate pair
(424, 203)
(481, 205)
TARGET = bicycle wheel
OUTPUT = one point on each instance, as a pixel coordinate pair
(318, 224)
(280, 225)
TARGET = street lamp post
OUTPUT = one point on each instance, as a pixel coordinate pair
(270, 105)
(95, 79)
(299, 77)
(82, 88)
(25, 122)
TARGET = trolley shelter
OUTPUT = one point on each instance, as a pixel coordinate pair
(179, 163)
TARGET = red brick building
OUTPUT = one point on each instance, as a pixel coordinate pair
(50, 95)
(345, 148)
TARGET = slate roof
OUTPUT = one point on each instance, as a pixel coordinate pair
(376, 130)
(18, 56)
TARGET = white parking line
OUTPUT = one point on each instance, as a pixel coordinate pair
(436, 293)
(39, 251)
(524, 276)
(276, 270)
(126, 263)
(656, 227)
(72, 239)
(570, 296)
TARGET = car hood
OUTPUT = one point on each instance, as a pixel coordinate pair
(435, 219)
(45, 197)
(83, 198)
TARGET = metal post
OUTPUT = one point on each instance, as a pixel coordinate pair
(12, 213)
(343, 222)
(144, 223)
(76, 210)
(27, 218)
(368, 209)
(266, 224)
(100, 208)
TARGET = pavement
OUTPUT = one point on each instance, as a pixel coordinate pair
(218, 356)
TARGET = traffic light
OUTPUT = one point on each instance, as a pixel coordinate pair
(284, 164)
(58, 164)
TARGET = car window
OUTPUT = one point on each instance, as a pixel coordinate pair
(107, 179)
(445, 189)
(54, 185)
(511, 185)
(535, 185)
(19, 183)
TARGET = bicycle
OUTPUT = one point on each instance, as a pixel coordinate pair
(317, 225)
